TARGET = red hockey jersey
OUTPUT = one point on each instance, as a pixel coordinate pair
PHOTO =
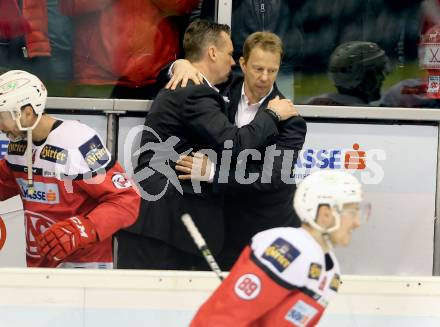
(283, 279)
(74, 175)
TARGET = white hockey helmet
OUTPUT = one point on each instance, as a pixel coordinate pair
(326, 187)
(19, 88)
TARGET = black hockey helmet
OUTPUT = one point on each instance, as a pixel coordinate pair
(350, 61)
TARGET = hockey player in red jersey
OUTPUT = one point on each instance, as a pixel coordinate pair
(75, 196)
(287, 276)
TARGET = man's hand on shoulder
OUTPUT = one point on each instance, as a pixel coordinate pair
(182, 71)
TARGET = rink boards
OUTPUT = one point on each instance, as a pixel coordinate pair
(398, 166)
(72, 298)
(397, 163)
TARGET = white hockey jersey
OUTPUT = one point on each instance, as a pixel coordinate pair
(74, 175)
(283, 279)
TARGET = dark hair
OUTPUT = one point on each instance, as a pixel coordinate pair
(200, 34)
(267, 41)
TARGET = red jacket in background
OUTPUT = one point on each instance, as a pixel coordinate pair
(31, 23)
(124, 42)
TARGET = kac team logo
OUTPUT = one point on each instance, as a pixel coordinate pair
(35, 224)
(120, 181)
(2, 233)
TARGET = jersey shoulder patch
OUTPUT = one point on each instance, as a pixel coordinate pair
(288, 253)
(76, 149)
(280, 253)
(94, 153)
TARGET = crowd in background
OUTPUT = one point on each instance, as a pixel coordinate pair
(117, 49)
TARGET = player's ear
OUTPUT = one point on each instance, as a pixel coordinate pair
(324, 216)
(27, 111)
(242, 64)
(27, 115)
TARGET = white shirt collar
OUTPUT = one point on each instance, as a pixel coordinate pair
(246, 99)
(210, 85)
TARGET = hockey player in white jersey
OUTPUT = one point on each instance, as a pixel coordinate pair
(75, 196)
(287, 276)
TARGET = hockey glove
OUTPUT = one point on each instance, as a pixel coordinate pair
(65, 237)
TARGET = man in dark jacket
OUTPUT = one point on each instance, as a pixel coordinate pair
(255, 204)
(180, 121)
(279, 17)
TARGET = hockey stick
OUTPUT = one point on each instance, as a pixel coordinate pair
(201, 244)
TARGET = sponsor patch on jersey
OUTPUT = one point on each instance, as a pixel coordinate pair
(94, 153)
(281, 254)
(54, 154)
(248, 287)
(3, 148)
(301, 314)
(17, 148)
(43, 193)
(335, 282)
(120, 182)
(315, 271)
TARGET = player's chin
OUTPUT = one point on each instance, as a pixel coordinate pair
(342, 241)
(346, 240)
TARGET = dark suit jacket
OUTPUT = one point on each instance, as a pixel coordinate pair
(252, 208)
(195, 115)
